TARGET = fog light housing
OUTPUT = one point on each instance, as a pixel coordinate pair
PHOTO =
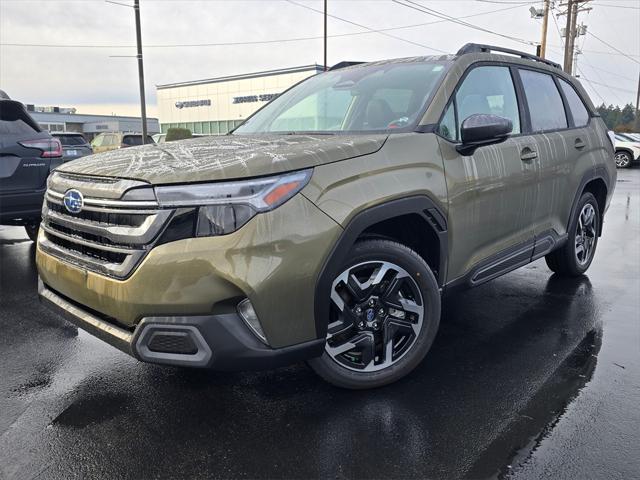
(248, 314)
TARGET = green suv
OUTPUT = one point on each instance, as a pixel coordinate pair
(328, 226)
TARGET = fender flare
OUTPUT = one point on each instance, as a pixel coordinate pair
(597, 173)
(421, 205)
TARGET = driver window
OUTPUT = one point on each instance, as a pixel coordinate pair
(488, 90)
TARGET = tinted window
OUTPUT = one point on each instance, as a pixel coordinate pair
(14, 120)
(545, 102)
(68, 140)
(488, 90)
(134, 140)
(578, 110)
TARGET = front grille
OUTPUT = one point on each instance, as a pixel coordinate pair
(107, 236)
(125, 219)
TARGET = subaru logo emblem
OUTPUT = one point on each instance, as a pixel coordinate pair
(370, 314)
(73, 201)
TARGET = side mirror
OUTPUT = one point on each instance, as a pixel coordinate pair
(481, 129)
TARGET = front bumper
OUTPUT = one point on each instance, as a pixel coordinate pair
(220, 342)
(274, 260)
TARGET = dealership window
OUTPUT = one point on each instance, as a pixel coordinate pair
(544, 100)
(53, 127)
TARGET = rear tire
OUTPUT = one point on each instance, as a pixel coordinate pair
(623, 159)
(385, 312)
(575, 256)
(32, 230)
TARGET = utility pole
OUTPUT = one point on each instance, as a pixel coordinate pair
(568, 41)
(545, 25)
(143, 106)
(638, 106)
(325, 36)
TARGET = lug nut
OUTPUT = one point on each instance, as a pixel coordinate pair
(372, 302)
(361, 325)
(358, 310)
(376, 325)
(381, 311)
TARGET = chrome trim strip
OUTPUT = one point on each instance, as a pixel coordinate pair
(142, 234)
(114, 270)
(90, 201)
(87, 243)
(88, 208)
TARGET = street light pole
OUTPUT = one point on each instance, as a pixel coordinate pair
(143, 106)
(325, 36)
(545, 24)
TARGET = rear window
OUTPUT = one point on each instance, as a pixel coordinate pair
(68, 140)
(133, 140)
(578, 110)
(14, 120)
(544, 100)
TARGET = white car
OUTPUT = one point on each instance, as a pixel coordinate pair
(627, 149)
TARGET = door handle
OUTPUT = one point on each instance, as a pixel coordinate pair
(528, 154)
(579, 144)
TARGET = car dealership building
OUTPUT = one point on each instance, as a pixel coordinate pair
(217, 105)
(59, 119)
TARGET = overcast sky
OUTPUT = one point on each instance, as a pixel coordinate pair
(93, 81)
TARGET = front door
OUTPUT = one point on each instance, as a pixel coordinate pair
(492, 193)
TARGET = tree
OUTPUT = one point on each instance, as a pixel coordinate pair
(177, 134)
(628, 114)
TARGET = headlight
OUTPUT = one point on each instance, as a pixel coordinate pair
(224, 207)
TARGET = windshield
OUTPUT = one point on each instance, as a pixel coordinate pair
(377, 97)
(69, 140)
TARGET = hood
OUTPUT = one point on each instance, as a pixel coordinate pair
(225, 157)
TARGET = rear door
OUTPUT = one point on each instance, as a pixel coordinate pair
(22, 169)
(560, 142)
(491, 193)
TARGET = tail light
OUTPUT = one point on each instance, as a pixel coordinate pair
(50, 147)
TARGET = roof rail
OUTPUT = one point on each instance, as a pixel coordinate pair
(340, 65)
(478, 47)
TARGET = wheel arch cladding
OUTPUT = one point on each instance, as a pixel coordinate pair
(598, 188)
(417, 219)
(597, 183)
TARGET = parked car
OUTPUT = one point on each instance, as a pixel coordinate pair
(627, 150)
(159, 137)
(327, 226)
(105, 142)
(27, 155)
(74, 145)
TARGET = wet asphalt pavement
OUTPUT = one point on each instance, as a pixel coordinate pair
(531, 376)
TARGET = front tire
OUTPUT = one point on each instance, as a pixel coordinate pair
(623, 159)
(575, 256)
(384, 315)
(32, 230)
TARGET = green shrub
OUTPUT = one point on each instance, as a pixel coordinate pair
(177, 134)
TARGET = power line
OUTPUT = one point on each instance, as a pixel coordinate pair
(367, 28)
(255, 42)
(437, 14)
(591, 85)
(614, 48)
(610, 86)
(618, 6)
